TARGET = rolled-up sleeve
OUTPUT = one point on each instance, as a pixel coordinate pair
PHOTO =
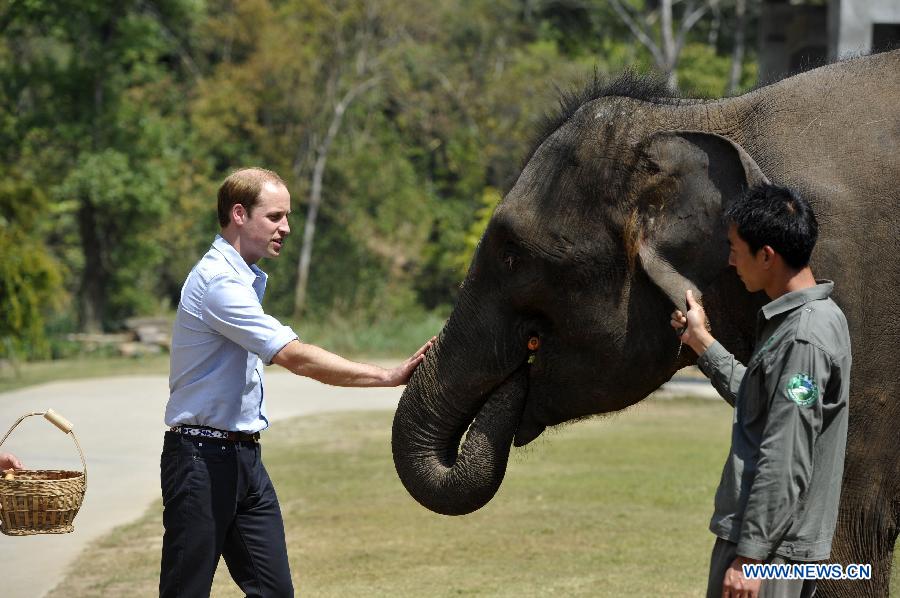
(233, 310)
(784, 469)
(724, 371)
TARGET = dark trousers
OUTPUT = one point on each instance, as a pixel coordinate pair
(724, 553)
(219, 500)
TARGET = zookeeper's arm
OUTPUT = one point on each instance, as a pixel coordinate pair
(798, 379)
(314, 362)
(721, 367)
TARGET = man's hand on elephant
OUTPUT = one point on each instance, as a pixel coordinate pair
(694, 325)
(401, 374)
(735, 585)
(305, 359)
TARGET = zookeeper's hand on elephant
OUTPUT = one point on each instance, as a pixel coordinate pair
(695, 325)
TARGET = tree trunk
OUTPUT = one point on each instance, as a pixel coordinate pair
(668, 42)
(93, 278)
(315, 200)
(315, 194)
(665, 54)
(309, 232)
(737, 56)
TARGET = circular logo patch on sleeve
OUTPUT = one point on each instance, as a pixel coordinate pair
(802, 390)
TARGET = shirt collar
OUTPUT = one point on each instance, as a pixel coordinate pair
(794, 299)
(248, 272)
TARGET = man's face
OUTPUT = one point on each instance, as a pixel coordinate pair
(751, 267)
(262, 232)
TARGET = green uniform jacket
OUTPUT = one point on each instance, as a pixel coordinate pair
(781, 483)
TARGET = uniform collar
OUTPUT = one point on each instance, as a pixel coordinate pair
(793, 300)
(248, 272)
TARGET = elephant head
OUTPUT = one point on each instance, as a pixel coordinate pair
(613, 217)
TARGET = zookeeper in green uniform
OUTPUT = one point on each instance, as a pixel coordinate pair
(777, 501)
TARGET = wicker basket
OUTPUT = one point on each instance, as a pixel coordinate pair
(42, 501)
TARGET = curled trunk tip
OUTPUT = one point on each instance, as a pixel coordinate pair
(441, 475)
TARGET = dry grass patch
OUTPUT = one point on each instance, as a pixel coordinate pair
(608, 507)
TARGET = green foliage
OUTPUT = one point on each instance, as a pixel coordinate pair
(30, 278)
(489, 200)
(129, 114)
(124, 201)
(704, 74)
(367, 337)
(94, 115)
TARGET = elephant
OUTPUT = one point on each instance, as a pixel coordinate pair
(564, 312)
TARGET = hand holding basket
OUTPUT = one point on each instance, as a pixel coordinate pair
(42, 501)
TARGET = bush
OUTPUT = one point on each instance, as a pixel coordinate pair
(390, 337)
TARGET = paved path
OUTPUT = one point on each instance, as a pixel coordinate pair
(118, 422)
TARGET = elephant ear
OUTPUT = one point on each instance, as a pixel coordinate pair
(688, 178)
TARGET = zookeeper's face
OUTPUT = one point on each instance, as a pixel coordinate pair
(751, 267)
(264, 229)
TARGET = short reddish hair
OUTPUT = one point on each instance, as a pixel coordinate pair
(243, 187)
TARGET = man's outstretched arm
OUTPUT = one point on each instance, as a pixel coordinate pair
(314, 362)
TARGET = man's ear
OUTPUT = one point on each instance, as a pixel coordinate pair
(768, 256)
(685, 180)
(239, 214)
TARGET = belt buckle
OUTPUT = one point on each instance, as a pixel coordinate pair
(243, 436)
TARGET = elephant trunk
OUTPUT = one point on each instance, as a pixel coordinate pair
(446, 400)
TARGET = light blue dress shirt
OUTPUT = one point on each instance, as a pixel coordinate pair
(220, 342)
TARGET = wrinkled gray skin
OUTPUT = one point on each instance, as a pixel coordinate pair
(617, 212)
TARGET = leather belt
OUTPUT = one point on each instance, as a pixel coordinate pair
(207, 432)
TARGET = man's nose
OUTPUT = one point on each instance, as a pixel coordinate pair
(285, 227)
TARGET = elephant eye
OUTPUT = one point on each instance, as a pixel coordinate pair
(508, 257)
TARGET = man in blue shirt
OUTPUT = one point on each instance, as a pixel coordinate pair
(217, 497)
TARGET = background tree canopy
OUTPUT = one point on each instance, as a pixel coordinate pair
(396, 123)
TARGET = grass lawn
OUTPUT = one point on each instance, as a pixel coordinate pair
(607, 507)
(40, 372)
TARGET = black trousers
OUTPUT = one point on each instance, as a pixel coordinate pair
(218, 500)
(724, 553)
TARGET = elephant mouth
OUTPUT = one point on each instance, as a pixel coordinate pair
(507, 402)
(529, 427)
(514, 392)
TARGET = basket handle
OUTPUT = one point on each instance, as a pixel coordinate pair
(60, 422)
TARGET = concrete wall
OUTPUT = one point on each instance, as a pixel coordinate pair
(851, 22)
(794, 36)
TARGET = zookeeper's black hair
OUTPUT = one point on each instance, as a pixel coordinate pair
(778, 217)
